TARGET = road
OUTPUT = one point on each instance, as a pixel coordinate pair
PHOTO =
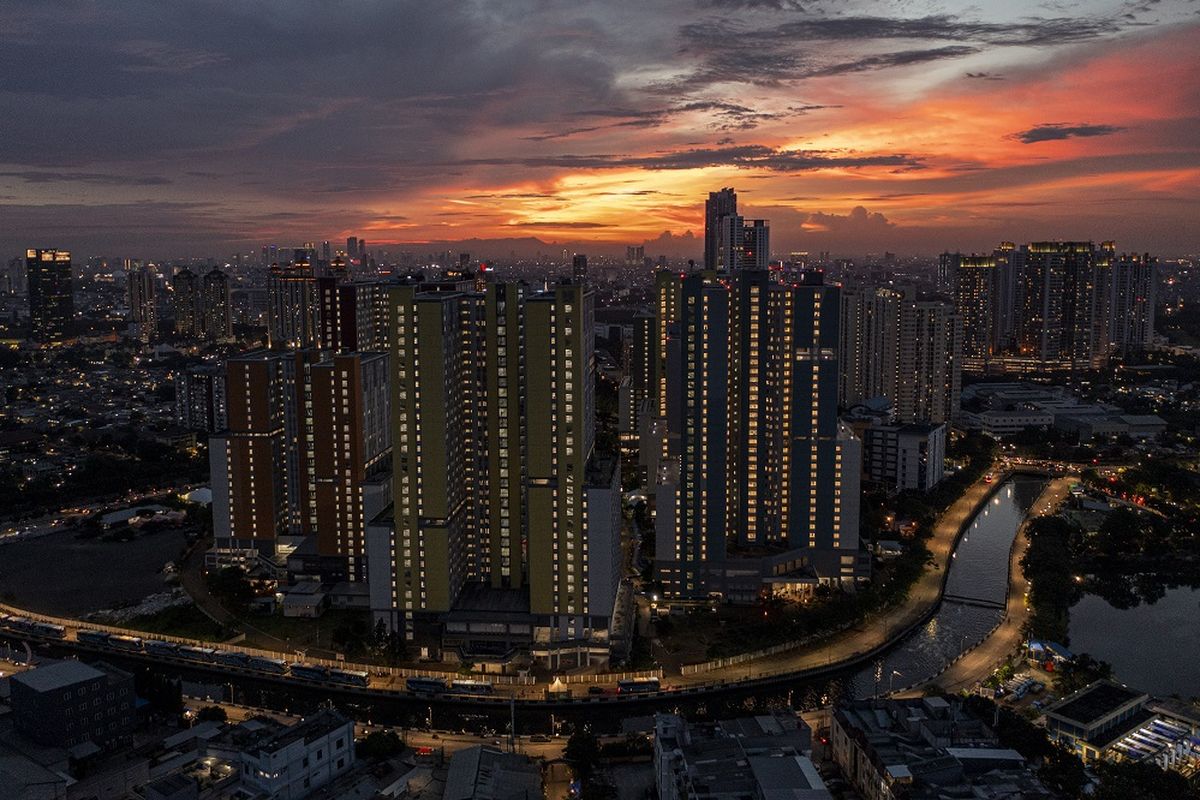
(980, 662)
(549, 748)
(57, 521)
(922, 598)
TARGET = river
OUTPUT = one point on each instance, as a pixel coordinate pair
(976, 588)
(1151, 646)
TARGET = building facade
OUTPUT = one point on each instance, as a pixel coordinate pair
(902, 348)
(498, 494)
(306, 455)
(760, 477)
(143, 310)
(51, 294)
(68, 703)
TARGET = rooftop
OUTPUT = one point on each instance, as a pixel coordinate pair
(1092, 703)
(484, 773)
(263, 734)
(58, 675)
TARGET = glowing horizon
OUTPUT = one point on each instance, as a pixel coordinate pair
(852, 127)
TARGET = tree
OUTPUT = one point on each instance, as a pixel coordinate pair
(582, 753)
(1063, 772)
(231, 585)
(1143, 780)
(380, 745)
(1083, 671)
(211, 714)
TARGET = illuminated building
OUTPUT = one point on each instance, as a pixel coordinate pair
(202, 306)
(200, 398)
(976, 297)
(351, 316)
(216, 313)
(143, 312)
(500, 502)
(897, 346)
(1052, 306)
(293, 312)
(1135, 288)
(667, 287)
(185, 303)
(1060, 324)
(305, 456)
(690, 523)
(717, 208)
(579, 268)
(51, 297)
(759, 490)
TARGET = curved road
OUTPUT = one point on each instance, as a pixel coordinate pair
(841, 650)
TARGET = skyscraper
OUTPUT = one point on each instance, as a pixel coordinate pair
(51, 294)
(352, 247)
(757, 461)
(1058, 326)
(293, 313)
(897, 346)
(1135, 289)
(500, 501)
(667, 288)
(691, 497)
(216, 314)
(719, 205)
(976, 297)
(579, 268)
(186, 303)
(200, 403)
(143, 310)
(305, 455)
(756, 245)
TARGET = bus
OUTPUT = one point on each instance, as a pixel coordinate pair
(638, 686)
(425, 685)
(349, 676)
(309, 672)
(464, 686)
(92, 637)
(48, 630)
(125, 642)
(232, 658)
(276, 666)
(160, 648)
(197, 653)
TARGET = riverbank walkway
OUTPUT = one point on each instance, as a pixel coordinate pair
(923, 598)
(980, 662)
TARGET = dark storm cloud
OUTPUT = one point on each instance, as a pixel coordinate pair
(742, 157)
(783, 51)
(725, 116)
(275, 84)
(886, 60)
(99, 179)
(1054, 131)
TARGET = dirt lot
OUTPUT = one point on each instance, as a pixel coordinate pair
(59, 574)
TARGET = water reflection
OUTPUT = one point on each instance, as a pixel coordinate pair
(976, 588)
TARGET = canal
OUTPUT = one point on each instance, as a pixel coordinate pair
(976, 587)
(973, 604)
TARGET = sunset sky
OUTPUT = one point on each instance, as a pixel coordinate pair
(163, 128)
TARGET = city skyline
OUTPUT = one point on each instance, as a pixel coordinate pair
(164, 131)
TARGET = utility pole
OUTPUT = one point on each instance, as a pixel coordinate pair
(512, 724)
